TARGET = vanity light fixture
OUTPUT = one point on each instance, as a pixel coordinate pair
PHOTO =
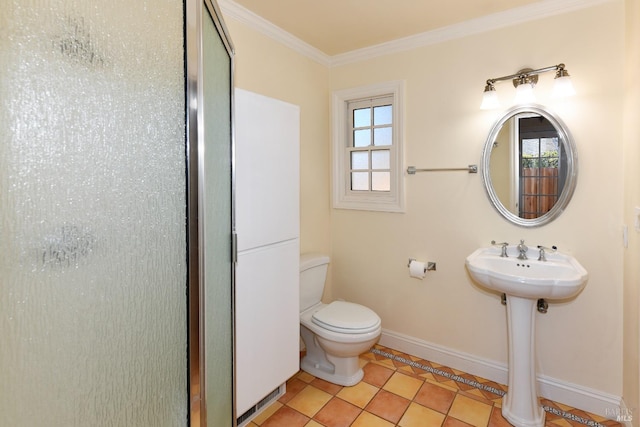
(524, 81)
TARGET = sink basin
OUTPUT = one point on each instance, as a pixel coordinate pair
(560, 276)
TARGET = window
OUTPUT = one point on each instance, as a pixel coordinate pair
(369, 144)
(542, 164)
(367, 148)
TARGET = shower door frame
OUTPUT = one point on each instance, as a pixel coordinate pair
(194, 14)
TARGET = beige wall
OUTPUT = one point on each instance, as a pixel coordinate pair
(631, 366)
(449, 215)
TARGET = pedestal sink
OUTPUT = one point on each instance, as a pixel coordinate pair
(524, 281)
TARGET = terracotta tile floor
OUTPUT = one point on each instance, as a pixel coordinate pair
(395, 393)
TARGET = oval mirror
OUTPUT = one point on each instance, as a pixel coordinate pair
(529, 166)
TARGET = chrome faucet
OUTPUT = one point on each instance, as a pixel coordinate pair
(503, 252)
(522, 249)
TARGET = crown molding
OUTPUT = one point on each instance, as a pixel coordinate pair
(532, 12)
(234, 10)
(483, 24)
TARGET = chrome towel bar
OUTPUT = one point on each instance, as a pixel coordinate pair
(411, 170)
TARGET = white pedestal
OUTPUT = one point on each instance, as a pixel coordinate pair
(520, 405)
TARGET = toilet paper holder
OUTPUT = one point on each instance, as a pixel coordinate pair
(430, 266)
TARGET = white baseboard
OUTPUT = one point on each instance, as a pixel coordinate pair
(469, 363)
(626, 415)
(573, 395)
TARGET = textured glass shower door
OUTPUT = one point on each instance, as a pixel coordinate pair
(92, 214)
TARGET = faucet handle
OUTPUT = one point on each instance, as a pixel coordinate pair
(543, 250)
(551, 249)
(503, 253)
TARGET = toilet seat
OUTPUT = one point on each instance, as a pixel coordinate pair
(347, 318)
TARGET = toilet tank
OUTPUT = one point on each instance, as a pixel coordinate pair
(313, 273)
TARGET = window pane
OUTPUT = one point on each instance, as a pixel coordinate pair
(530, 162)
(362, 138)
(549, 145)
(549, 161)
(381, 181)
(531, 147)
(362, 117)
(545, 203)
(360, 160)
(382, 136)
(382, 115)
(549, 150)
(381, 159)
(360, 181)
(548, 185)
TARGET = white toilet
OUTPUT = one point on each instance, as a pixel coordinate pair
(334, 334)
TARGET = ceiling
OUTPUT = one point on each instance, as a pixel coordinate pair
(338, 26)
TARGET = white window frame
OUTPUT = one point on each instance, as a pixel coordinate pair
(343, 196)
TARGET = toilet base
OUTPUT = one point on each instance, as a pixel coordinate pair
(343, 369)
(328, 372)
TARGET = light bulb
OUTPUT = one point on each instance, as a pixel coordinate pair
(524, 94)
(490, 101)
(489, 98)
(563, 87)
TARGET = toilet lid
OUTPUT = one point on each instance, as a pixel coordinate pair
(346, 317)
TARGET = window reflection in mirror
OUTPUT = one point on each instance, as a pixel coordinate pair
(528, 165)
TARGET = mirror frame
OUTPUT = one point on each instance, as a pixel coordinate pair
(564, 137)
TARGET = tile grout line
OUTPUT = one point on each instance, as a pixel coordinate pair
(481, 386)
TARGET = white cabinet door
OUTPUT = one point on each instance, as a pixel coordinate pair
(267, 320)
(267, 133)
(267, 170)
